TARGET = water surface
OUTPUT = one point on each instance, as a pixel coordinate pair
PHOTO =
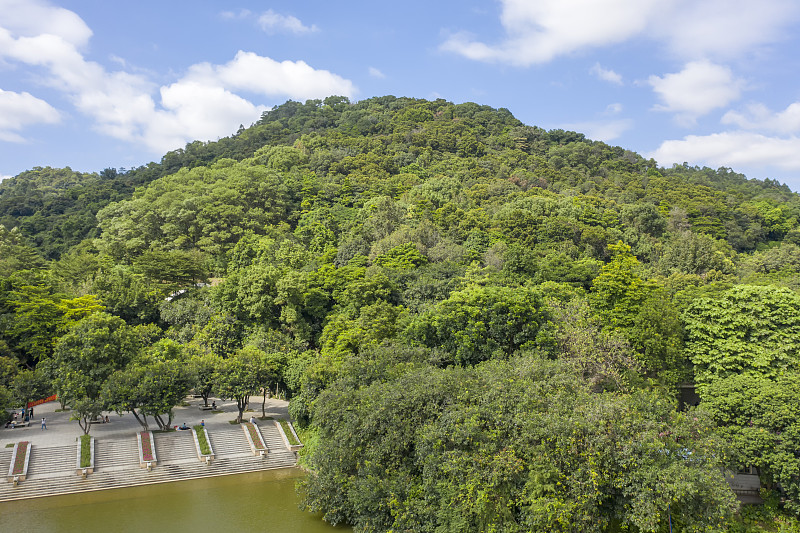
(257, 501)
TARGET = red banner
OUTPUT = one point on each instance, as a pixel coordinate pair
(40, 402)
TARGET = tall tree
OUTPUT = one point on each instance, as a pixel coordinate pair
(86, 356)
(237, 377)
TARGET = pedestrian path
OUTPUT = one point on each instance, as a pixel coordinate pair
(52, 469)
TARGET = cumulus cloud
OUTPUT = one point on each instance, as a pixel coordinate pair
(202, 104)
(263, 75)
(732, 149)
(606, 74)
(18, 110)
(698, 89)
(272, 22)
(26, 17)
(537, 32)
(759, 117)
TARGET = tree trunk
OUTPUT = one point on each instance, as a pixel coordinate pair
(160, 423)
(264, 403)
(142, 421)
(85, 422)
(241, 403)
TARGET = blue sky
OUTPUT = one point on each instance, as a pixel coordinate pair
(91, 84)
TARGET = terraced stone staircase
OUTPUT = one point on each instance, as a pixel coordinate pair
(111, 455)
(229, 442)
(175, 448)
(57, 461)
(5, 461)
(52, 470)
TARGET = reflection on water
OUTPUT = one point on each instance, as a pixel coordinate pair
(257, 501)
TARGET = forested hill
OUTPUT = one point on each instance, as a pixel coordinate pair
(386, 146)
(480, 325)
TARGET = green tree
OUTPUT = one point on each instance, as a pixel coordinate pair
(163, 385)
(518, 445)
(30, 385)
(204, 368)
(760, 417)
(479, 323)
(642, 311)
(237, 377)
(752, 330)
(84, 359)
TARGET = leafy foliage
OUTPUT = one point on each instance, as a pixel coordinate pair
(409, 269)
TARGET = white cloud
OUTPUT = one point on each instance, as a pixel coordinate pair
(606, 74)
(195, 111)
(18, 110)
(26, 17)
(614, 109)
(262, 75)
(722, 28)
(732, 149)
(601, 130)
(272, 22)
(759, 117)
(698, 89)
(203, 104)
(537, 32)
(375, 73)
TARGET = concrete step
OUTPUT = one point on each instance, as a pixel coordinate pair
(175, 447)
(5, 460)
(229, 442)
(32, 488)
(272, 436)
(116, 454)
(53, 461)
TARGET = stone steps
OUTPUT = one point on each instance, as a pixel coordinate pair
(229, 443)
(175, 448)
(53, 461)
(272, 437)
(33, 488)
(5, 460)
(52, 469)
(116, 454)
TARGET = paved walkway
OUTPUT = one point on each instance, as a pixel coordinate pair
(62, 432)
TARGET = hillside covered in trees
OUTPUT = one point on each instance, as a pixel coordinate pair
(482, 325)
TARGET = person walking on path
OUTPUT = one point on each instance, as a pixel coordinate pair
(44, 423)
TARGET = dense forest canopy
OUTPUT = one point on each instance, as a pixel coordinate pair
(482, 325)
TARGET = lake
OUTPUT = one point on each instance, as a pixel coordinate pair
(258, 501)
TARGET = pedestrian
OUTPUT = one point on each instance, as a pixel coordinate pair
(107, 420)
(31, 413)
(214, 405)
(203, 423)
(252, 419)
(44, 423)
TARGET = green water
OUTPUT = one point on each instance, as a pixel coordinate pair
(258, 501)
